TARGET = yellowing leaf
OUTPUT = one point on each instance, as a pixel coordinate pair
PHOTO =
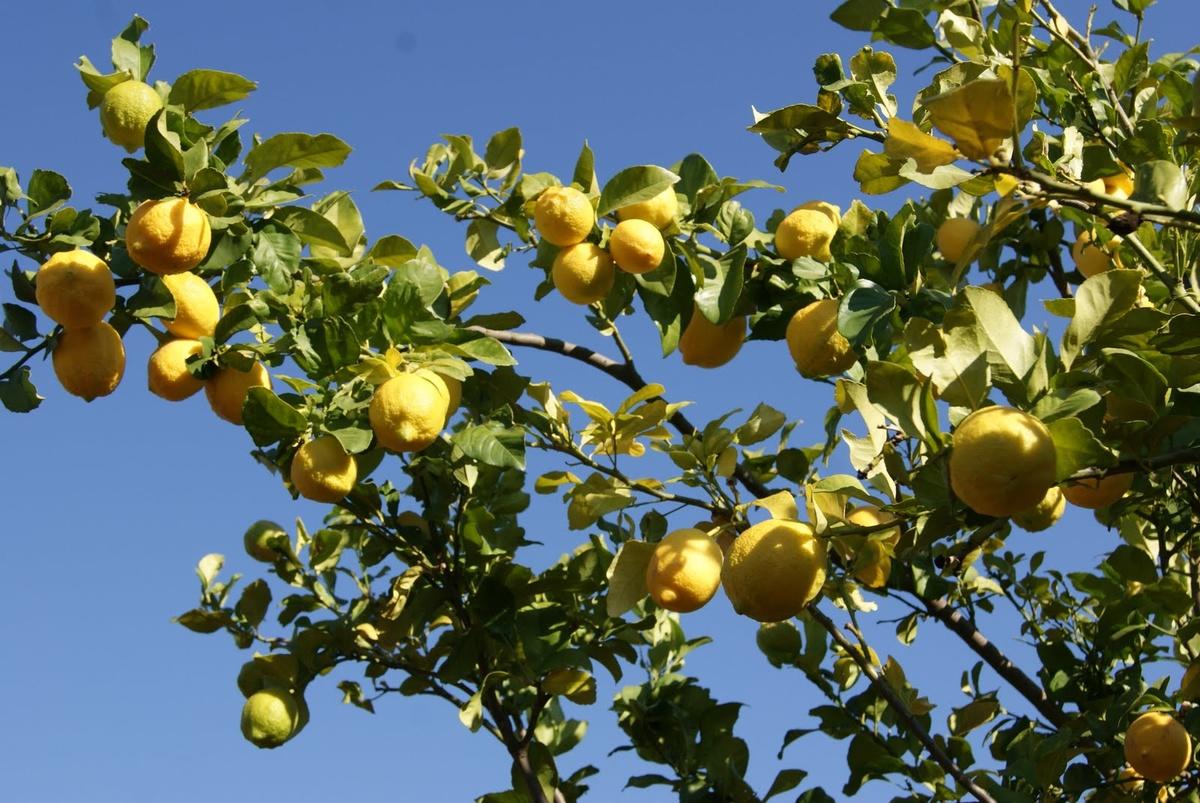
(906, 141)
(627, 577)
(978, 116)
(1005, 185)
(781, 505)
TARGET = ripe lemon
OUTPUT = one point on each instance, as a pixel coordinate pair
(257, 540)
(583, 273)
(450, 386)
(196, 307)
(710, 345)
(228, 388)
(166, 236)
(1118, 186)
(322, 471)
(125, 111)
(830, 210)
(815, 343)
(658, 211)
(1091, 259)
(873, 565)
(636, 246)
(871, 515)
(773, 569)
(1157, 746)
(90, 362)
(806, 232)
(954, 235)
(270, 717)
(167, 374)
(75, 288)
(1044, 514)
(408, 412)
(1003, 461)
(563, 216)
(684, 571)
(1097, 493)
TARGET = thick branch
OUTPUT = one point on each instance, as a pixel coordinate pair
(517, 748)
(1138, 464)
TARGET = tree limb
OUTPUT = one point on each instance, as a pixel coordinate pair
(1138, 464)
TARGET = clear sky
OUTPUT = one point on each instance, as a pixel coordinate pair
(108, 506)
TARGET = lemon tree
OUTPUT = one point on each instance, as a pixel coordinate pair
(1008, 339)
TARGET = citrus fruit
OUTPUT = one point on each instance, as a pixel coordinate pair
(1118, 186)
(954, 235)
(270, 717)
(90, 362)
(1189, 684)
(778, 638)
(658, 211)
(636, 246)
(228, 388)
(169, 235)
(1044, 514)
(709, 345)
(1157, 746)
(583, 273)
(806, 232)
(830, 210)
(450, 386)
(1096, 493)
(815, 343)
(1003, 461)
(872, 515)
(196, 308)
(563, 216)
(408, 412)
(1091, 259)
(167, 374)
(872, 564)
(258, 537)
(773, 569)
(322, 471)
(75, 288)
(684, 570)
(125, 110)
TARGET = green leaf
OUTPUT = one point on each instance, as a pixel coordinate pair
(1010, 348)
(269, 419)
(584, 173)
(392, 250)
(326, 549)
(206, 89)
(627, 577)
(294, 150)
(906, 27)
(967, 718)
(253, 604)
(202, 621)
(861, 309)
(503, 150)
(1161, 182)
(1099, 301)
(127, 55)
(633, 185)
(1076, 447)
(471, 714)
(717, 298)
(859, 15)
(764, 422)
(19, 322)
(46, 190)
(152, 300)
(486, 349)
(785, 781)
(493, 445)
(276, 255)
(483, 245)
(878, 173)
(313, 228)
(17, 393)
(1133, 564)
(898, 393)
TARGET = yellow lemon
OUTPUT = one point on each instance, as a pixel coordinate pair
(1091, 259)
(451, 387)
(684, 571)
(90, 362)
(167, 374)
(872, 515)
(873, 565)
(196, 307)
(228, 388)
(1003, 461)
(75, 288)
(1158, 747)
(806, 232)
(322, 471)
(658, 211)
(563, 216)
(258, 538)
(1097, 493)
(774, 569)
(815, 343)
(710, 345)
(1118, 186)
(270, 717)
(166, 236)
(830, 210)
(636, 246)
(1044, 514)
(583, 273)
(125, 111)
(408, 412)
(954, 235)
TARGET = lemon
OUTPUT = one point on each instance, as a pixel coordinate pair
(75, 288)
(1158, 747)
(583, 273)
(270, 717)
(1044, 514)
(1118, 186)
(196, 307)
(170, 235)
(684, 571)
(1003, 461)
(451, 387)
(1091, 259)
(815, 343)
(954, 235)
(710, 345)
(830, 210)
(167, 374)
(636, 246)
(1189, 684)
(563, 216)
(258, 537)
(658, 211)
(90, 362)
(1097, 493)
(228, 388)
(322, 471)
(806, 232)
(872, 515)
(576, 685)
(279, 670)
(872, 565)
(778, 638)
(408, 412)
(774, 569)
(125, 111)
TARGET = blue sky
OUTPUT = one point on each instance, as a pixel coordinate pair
(109, 505)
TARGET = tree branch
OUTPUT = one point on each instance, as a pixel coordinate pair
(1137, 464)
(518, 748)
